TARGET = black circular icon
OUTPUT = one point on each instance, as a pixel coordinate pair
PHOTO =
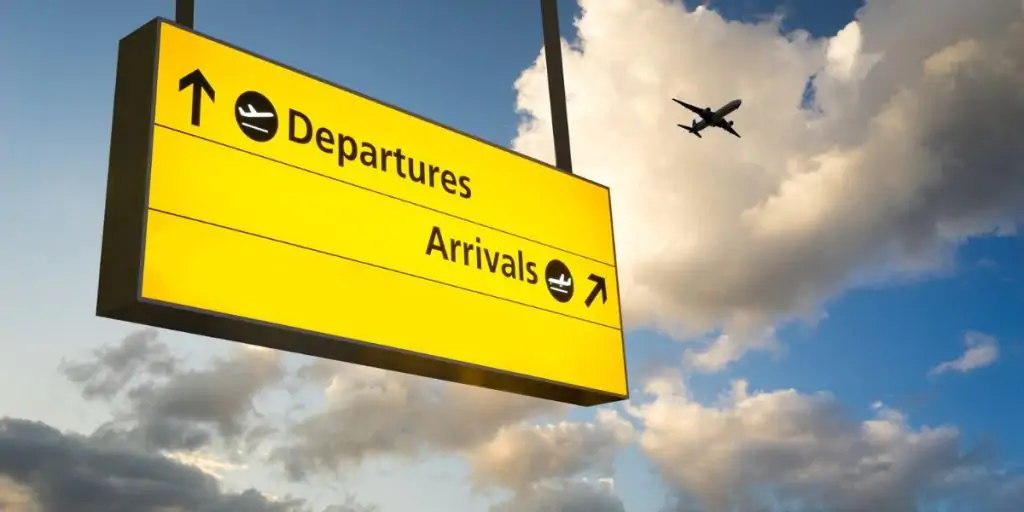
(559, 281)
(256, 116)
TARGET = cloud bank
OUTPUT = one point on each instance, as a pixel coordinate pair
(193, 420)
(907, 146)
(747, 451)
(754, 450)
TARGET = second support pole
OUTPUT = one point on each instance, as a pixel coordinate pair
(185, 13)
(556, 84)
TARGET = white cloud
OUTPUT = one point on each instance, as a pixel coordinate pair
(982, 350)
(565, 496)
(522, 455)
(807, 452)
(726, 348)
(845, 61)
(911, 148)
(206, 462)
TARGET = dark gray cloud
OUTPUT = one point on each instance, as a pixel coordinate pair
(217, 398)
(166, 406)
(67, 472)
(112, 367)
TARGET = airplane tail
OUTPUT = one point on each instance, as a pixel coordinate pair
(691, 130)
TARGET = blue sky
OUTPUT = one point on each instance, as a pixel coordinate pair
(454, 61)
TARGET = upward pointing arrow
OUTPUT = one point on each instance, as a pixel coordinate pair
(199, 84)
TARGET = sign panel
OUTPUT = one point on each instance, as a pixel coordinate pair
(252, 202)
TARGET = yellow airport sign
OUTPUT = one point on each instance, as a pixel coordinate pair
(252, 202)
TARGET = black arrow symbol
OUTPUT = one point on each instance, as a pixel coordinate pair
(199, 84)
(599, 287)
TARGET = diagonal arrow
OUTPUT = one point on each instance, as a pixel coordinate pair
(199, 84)
(599, 287)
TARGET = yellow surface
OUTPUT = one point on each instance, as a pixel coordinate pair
(278, 232)
(508, 191)
(197, 265)
(229, 188)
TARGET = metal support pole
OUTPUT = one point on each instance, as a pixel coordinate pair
(185, 13)
(556, 84)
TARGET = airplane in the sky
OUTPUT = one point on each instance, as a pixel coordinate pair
(710, 117)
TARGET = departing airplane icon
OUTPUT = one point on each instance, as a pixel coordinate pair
(252, 113)
(560, 285)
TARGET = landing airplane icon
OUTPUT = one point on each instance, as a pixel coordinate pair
(560, 285)
(252, 113)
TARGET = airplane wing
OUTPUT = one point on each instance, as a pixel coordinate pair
(728, 128)
(696, 110)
